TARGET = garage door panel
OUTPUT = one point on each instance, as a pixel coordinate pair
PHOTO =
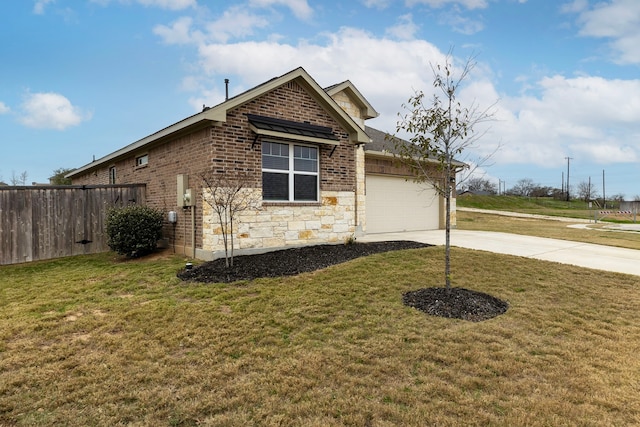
(395, 204)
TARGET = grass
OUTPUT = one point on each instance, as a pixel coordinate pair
(92, 340)
(532, 205)
(595, 233)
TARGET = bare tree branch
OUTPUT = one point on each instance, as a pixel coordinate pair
(228, 195)
(441, 130)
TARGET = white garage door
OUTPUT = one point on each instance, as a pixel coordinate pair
(396, 204)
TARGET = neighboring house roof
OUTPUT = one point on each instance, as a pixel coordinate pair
(218, 114)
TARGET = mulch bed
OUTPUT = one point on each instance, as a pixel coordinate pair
(289, 262)
(457, 303)
(453, 303)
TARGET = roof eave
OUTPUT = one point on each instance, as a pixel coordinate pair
(366, 107)
(389, 155)
(218, 114)
(195, 122)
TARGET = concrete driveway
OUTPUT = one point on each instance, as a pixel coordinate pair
(588, 255)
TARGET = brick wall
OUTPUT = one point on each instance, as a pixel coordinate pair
(228, 147)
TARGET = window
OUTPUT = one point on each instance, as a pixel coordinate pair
(142, 160)
(289, 172)
(112, 175)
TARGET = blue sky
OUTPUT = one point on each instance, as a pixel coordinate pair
(85, 78)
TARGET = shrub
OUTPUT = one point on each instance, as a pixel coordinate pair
(134, 230)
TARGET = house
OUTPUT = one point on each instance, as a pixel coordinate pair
(320, 174)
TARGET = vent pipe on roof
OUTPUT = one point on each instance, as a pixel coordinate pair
(226, 89)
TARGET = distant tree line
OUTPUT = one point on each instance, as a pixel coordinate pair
(21, 179)
(526, 187)
(16, 179)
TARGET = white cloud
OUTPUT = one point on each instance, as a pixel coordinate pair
(300, 8)
(163, 4)
(576, 6)
(405, 29)
(169, 4)
(236, 22)
(616, 20)
(179, 32)
(50, 111)
(385, 71)
(378, 4)
(469, 4)
(572, 116)
(3, 108)
(557, 117)
(39, 6)
(460, 23)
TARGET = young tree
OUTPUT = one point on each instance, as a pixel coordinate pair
(228, 195)
(441, 129)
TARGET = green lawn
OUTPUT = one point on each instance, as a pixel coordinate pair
(594, 233)
(92, 340)
(532, 205)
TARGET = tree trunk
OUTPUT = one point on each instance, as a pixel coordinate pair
(447, 229)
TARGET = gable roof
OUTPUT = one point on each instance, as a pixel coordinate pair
(218, 114)
(349, 88)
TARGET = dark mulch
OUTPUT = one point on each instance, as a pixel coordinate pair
(453, 303)
(458, 303)
(289, 262)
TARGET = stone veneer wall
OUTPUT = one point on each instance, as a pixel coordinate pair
(347, 104)
(351, 108)
(361, 193)
(279, 225)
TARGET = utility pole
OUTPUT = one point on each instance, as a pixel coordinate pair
(568, 191)
(604, 196)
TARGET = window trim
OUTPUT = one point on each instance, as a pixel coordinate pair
(142, 157)
(291, 172)
(112, 175)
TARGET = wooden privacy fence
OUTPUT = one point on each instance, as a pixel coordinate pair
(47, 222)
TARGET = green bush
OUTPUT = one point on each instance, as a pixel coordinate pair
(134, 230)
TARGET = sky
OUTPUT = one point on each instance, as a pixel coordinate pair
(561, 78)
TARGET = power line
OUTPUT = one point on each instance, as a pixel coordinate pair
(568, 188)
